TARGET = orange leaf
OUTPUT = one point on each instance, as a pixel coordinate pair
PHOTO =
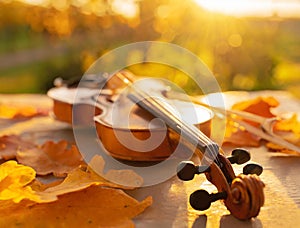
(276, 148)
(292, 124)
(123, 177)
(260, 106)
(84, 177)
(51, 157)
(10, 144)
(20, 112)
(288, 129)
(77, 180)
(238, 136)
(92, 207)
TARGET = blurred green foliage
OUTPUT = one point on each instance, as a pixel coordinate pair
(40, 43)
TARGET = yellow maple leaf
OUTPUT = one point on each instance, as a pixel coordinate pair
(92, 207)
(19, 112)
(14, 180)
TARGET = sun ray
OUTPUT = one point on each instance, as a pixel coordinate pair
(261, 8)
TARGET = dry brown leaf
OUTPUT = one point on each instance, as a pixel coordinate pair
(17, 182)
(242, 138)
(260, 106)
(20, 112)
(51, 157)
(10, 144)
(238, 136)
(40, 186)
(276, 148)
(77, 180)
(123, 177)
(288, 129)
(95, 207)
(85, 176)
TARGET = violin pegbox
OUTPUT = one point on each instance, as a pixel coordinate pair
(240, 156)
(242, 195)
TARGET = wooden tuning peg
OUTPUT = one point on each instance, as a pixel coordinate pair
(186, 170)
(201, 199)
(239, 156)
(253, 169)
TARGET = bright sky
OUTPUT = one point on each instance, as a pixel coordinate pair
(127, 8)
(264, 8)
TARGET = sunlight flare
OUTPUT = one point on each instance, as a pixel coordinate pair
(262, 8)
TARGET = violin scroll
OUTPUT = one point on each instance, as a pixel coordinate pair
(242, 195)
(245, 197)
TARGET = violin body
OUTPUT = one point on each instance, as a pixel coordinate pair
(100, 115)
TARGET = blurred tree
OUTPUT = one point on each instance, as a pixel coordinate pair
(243, 53)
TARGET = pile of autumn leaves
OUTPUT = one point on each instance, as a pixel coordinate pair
(287, 128)
(78, 194)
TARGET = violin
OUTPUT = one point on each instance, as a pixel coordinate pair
(94, 108)
(242, 194)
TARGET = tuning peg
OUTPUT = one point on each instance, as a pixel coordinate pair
(253, 169)
(201, 199)
(239, 156)
(186, 170)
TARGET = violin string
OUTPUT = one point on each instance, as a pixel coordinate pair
(211, 147)
(161, 107)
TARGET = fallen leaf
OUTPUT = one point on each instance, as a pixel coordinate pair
(276, 148)
(291, 124)
(20, 112)
(10, 144)
(77, 180)
(51, 157)
(121, 177)
(92, 207)
(238, 136)
(17, 182)
(260, 106)
(40, 186)
(288, 129)
(85, 176)
(14, 180)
